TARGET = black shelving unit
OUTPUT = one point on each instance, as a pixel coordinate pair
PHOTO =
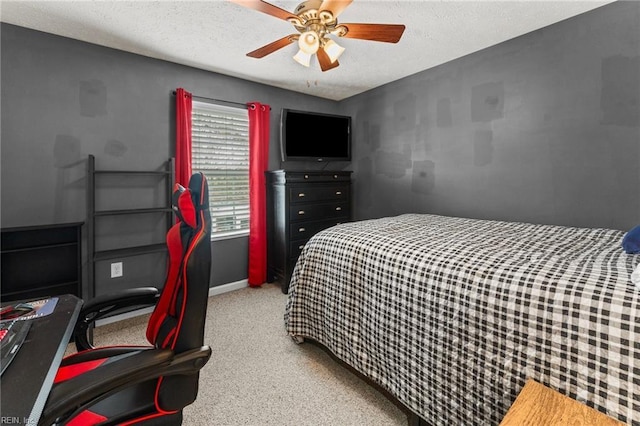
(127, 178)
(40, 261)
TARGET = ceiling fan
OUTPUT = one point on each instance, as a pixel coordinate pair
(315, 21)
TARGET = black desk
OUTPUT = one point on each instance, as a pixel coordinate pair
(28, 379)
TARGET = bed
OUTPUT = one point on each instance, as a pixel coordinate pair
(451, 316)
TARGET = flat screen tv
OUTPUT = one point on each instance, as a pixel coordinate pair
(313, 136)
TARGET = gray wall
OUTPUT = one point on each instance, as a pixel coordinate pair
(542, 128)
(64, 99)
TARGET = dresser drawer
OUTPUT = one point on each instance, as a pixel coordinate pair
(301, 230)
(318, 211)
(303, 194)
(296, 247)
(318, 176)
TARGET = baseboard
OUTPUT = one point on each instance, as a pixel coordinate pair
(213, 291)
(225, 288)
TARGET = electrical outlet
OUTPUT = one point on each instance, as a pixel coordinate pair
(116, 269)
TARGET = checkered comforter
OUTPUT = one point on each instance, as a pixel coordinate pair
(452, 315)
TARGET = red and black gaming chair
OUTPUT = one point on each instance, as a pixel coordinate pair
(146, 385)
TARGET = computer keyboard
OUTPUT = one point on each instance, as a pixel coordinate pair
(12, 335)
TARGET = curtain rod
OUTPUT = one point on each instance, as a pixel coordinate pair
(216, 100)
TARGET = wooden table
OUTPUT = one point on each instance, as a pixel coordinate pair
(537, 405)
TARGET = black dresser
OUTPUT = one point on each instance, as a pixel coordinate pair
(300, 204)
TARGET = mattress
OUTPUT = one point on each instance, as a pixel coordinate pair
(453, 315)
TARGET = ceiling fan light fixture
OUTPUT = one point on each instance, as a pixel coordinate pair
(309, 42)
(302, 58)
(333, 49)
(315, 20)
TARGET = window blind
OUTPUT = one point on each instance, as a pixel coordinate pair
(220, 150)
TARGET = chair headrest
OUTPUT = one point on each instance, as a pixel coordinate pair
(199, 190)
(183, 205)
(187, 202)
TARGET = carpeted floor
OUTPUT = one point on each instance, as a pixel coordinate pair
(258, 376)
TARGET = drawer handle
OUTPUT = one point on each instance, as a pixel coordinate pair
(301, 194)
(306, 176)
(338, 209)
(301, 247)
(301, 230)
(335, 176)
(300, 212)
(338, 192)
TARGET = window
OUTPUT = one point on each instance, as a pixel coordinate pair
(220, 150)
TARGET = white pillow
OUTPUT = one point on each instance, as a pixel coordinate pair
(635, 276)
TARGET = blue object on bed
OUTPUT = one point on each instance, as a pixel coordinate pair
(631, 241)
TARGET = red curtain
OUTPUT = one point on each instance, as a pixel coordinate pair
(183, 137)
(258, 163)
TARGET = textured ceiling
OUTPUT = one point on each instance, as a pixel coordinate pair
(215, 35)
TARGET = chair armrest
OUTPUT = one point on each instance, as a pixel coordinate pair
(109, 304)
(76, 394)
(100, 353)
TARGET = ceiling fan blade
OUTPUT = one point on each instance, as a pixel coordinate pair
(388, 33)
(325, 62)
(264, 7)
(272, 47)
(335, 6)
